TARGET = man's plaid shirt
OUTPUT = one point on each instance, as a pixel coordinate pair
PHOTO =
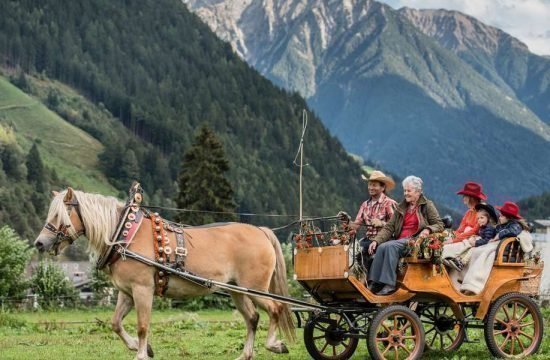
(382, 209)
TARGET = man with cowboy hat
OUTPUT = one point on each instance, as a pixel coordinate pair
(376, 210)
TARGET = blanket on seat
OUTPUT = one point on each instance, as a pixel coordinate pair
(477, 271)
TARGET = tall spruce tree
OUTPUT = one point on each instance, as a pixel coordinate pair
(202, 182)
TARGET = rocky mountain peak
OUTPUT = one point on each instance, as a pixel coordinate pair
(458, 31)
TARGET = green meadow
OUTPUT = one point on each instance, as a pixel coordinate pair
(175, 334)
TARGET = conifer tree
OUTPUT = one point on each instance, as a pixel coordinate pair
(37, 176)
(35, 167)
(202, 182)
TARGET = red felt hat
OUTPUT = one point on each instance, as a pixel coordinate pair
(510, 209)
(473, 189)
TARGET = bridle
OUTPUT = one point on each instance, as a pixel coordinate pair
(62, 232)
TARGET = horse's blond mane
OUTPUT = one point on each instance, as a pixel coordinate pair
(99, 214)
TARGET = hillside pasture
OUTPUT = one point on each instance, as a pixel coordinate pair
(70, 151)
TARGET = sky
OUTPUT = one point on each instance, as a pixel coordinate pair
(527, 20)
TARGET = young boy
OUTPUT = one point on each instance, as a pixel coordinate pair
(457, 255)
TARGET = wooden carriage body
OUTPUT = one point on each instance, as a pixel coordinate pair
(325, 272)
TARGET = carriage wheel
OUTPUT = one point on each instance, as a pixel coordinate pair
(324, 337)
(396, 333)
(442, 328)
(513, 328)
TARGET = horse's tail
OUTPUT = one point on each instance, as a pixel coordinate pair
(279, 285)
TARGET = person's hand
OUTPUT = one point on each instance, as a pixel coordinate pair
(468, 228)
(377, 223)
(472, 241)
(372, 247)
(344, 217)
(494, 239)
(424, 233)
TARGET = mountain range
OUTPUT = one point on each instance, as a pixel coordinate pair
(434, 93)
(136, 80)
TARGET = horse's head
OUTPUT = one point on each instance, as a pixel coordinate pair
(63, 225)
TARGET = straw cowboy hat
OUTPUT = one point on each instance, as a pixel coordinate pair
(380, 177)
(472, 189)
(510, 210)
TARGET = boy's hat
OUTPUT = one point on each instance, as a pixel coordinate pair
(510, 210)
(489, 209)
(472, 189)
(380, 177)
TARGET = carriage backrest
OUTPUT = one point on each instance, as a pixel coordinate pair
(509, 252)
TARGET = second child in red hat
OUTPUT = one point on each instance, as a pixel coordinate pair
(510, 221)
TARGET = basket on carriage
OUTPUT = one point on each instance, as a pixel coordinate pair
(426, 312)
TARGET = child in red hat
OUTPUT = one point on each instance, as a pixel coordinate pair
(510, 221)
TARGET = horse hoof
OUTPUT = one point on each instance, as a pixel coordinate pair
(280, 348)
(284, 349)
(150, 352)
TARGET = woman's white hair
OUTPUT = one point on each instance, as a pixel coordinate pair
(413, 181)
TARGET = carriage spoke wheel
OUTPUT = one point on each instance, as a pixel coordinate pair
(396, 333)
(325, 339)
(442, 328)
(514, 327)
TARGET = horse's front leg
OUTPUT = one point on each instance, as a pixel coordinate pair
(123, 306)
(143, 300)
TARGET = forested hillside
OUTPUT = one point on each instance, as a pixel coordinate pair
(40, 151)
(536, 207)
(162, 73)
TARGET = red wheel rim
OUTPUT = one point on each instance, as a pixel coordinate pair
(398, 337)
(516, 328)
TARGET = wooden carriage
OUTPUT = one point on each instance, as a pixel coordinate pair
(426, 311)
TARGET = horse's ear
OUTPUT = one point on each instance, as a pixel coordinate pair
(55, 193)
(69, 195)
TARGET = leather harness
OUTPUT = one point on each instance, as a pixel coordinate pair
(165, 253)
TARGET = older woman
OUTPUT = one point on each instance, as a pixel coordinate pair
(414, 216)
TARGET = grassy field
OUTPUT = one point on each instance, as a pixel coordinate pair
(71, 151)
(174, 334)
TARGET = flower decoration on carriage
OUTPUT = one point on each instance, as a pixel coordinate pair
(308, 236)
(341, 233)
(429, 248)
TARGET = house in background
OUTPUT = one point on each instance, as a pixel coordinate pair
(541, 239)
(77, 272)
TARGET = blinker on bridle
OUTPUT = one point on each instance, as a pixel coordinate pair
(62, 233)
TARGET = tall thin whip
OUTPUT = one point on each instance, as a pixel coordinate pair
(301, 153)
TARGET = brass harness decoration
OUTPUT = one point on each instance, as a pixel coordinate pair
(163, 250)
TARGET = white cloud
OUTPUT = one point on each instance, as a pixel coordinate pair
(528, 20)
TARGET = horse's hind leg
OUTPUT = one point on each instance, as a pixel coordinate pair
(248, 310)
(143, 299)
(123, 306)
(274, 310)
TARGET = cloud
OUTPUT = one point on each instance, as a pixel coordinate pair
(528, 20)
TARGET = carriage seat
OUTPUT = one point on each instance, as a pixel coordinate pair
(509, 252)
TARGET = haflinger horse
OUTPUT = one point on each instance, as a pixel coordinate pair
(234, 253)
